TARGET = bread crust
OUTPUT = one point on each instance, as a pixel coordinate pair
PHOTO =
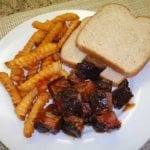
(110, 64)
(106, 61)
(68, 63)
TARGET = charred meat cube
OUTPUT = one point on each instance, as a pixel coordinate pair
(86, 113)
(48, 122)
(40, 127)
(105, 122)
(87, 70)
(70, 101)
(54, 108)
(73, 125)
(86, 89)
(58, 85)
(104, 84)
(101, 102)
(73, 78)
(121, 95)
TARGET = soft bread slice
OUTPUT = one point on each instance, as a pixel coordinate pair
(112, 75)
(70, 52)
(119, 39)
(72, 55)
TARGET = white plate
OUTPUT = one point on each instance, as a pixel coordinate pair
(135, 128)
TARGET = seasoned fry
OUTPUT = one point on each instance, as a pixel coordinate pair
(38, 105)
(39, 36)
(32, 70)
(17, 74)
(35, 56)
(36, 38)
(46, 73)
(50, 59)
(66, 17)
(47, 61)
(61, 34)
(42, 86)
(23, 93)
(53, 33)
(56, 56)
(10, 87)
(26, 103)
(70, 29)
(46, 26)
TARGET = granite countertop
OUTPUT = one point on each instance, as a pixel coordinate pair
(8, 7)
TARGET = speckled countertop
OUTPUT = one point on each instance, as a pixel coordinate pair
(8, 7)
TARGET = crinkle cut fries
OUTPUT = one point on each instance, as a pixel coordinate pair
(40, 59)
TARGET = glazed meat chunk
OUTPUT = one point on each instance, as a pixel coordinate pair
(101, 102)
(48, 121)
(105, 122)
(73, 125)
(121, 95)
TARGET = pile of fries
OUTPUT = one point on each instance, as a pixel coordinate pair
(35, 66)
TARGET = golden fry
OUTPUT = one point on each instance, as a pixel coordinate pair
(46, 26)
(10, 87)
(32, 70)
(47, 61)
(39, 36)
(26, 103)
(17, 74)
(35, 56)
(56, 56)
(36, 38)
(61, 34)
(10, 65)
(66, 17)
(23, 93)
(46, 73)
(50, 59)
(54, 32)
(42, 86)
(38, 105)
(70, 29)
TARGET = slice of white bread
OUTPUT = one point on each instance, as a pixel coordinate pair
(112, 75)
(71, 55)
(119, 39)
(70, 52)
